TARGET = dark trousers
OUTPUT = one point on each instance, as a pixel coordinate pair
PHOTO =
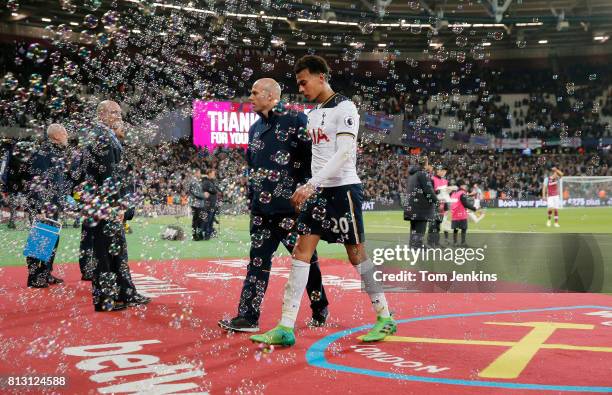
(417, 232)
(112, 281)
(197, 223)
(260, 264)
(209, 219)
(86, 252)
(433, 232)
(39, 271)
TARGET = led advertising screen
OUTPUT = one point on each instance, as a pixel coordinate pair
(222, 124)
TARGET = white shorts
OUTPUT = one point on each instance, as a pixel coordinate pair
(553, 202)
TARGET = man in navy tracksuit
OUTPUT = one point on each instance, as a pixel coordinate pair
(279, 159)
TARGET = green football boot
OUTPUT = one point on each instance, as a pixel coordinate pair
(382, 328)
(278, 336)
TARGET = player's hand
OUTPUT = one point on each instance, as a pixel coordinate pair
(206, 195)
(301, 195)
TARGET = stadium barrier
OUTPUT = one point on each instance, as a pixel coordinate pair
(536, 202)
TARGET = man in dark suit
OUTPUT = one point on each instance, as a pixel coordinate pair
(46, 194)
(272, 180)
(112, 287)
(196, 202)
(421, 204)
(211, 191)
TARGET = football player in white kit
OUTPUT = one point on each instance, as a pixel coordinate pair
(330, 202)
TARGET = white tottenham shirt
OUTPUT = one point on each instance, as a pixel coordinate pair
(336, 117)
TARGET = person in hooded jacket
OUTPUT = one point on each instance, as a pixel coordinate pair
(421, 204)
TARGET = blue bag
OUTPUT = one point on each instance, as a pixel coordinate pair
(42, 239)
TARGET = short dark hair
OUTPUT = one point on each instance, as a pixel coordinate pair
(315, 64)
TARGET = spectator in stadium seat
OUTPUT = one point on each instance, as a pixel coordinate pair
(271, 183)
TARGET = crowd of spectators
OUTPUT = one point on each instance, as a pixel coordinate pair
(162, 173)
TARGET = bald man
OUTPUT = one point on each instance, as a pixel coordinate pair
(271, 183)
(112, 286)
(46, 195)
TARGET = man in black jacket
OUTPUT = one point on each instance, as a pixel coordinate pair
(421, 201)
(211, 190)
(112, 287)
(46, 194)
(196, 202)
(279, 159)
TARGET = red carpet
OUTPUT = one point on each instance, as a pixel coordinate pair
(446, 343)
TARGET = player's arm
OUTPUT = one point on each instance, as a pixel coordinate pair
(559, 172)
(466, 202)
(347, 128)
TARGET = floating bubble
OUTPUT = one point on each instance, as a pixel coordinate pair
(366, 28)
(63, 33)
(84, 53)
(90, 21)
(48, 32)
(12, 5)
(87, 37)
(265, 197)
(92, 5)
(246, 73)
(104, 40)
(282, 135)
(10, 82)
(521, 43)
(56, 104)
(318, 213)
(281, 157)
(257, 240)
(498, 35)
(110, 19)
(257, 261)
(71, 68)
(22, 95)
(287, 223)
(36, 53)
(35, 78)
(461, 41)
(303, 229)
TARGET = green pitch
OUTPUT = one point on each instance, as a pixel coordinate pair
(145, 242)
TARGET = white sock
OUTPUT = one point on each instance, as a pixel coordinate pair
(475, 218)
(366, 270)
(294, 289)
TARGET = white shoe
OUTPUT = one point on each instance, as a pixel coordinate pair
(548, 223)
(557, 225)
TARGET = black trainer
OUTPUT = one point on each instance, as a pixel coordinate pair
(319, 317)
(238, 324)
(137, 300)
(51, 279)
(110, 306)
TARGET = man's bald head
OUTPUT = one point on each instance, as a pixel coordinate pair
(269, 85)
(109, 113)
(57, 134)
(265, 93)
